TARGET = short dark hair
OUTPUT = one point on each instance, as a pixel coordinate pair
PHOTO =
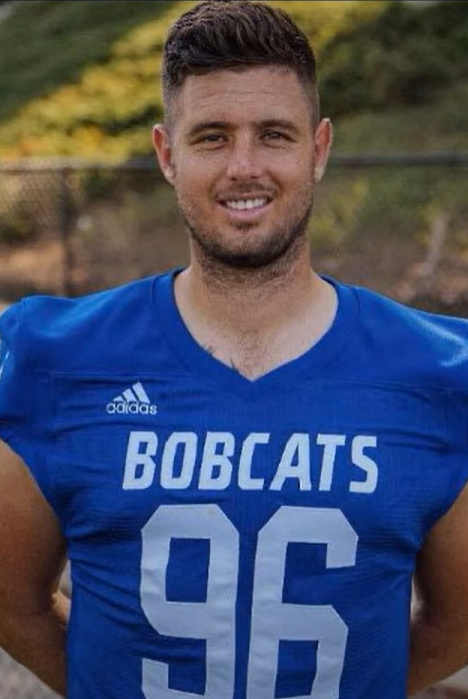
(236, 34)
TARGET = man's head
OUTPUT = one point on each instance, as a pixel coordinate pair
(242, 144)
(235, 34)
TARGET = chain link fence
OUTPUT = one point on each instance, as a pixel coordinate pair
(394, 223)
(72, 228)
(397, 224)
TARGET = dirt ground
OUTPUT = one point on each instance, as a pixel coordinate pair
(17, 683)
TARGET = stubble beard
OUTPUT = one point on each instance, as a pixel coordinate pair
(276, 252)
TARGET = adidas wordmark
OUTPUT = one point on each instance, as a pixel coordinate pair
(133, 401)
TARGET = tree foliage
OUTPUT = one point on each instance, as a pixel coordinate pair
(85, 81)
(401, 56)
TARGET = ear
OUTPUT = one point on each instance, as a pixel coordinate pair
(323, 140)
(162, 146)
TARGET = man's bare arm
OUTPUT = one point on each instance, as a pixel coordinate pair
(33, 612)
(439, 630)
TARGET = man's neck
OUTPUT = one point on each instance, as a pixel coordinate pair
(256, 320)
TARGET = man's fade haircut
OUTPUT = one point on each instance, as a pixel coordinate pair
(236, 34)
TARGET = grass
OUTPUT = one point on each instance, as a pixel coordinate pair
(45, 44)
(441, 125)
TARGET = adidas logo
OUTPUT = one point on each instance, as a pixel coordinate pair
(133, 401)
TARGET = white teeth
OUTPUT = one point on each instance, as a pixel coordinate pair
(243, 204)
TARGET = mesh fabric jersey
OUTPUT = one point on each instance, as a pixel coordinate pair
(228, 538)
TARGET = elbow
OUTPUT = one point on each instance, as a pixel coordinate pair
(443, 634)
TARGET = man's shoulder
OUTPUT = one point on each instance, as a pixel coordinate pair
(420, 346)
(53, 329)
(380, 309)
(57, 315)
(415, 319)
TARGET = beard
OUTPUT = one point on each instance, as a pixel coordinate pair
(280, 245)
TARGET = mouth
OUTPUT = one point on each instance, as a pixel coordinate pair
(246, 207)
(246, 204)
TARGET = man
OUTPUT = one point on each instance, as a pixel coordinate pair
(245, 462)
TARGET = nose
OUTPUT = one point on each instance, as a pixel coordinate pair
(244, 161)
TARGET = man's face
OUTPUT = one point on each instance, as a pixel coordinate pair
(243, 157)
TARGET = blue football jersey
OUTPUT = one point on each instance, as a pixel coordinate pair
(236, 539)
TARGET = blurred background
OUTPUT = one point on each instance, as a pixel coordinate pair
(83, 205)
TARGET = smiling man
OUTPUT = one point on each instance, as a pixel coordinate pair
(248, 164)
(247, 464)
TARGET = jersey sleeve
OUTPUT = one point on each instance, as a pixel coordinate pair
(19, 394)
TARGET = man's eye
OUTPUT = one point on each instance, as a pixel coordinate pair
(275, 136)
(211, 138)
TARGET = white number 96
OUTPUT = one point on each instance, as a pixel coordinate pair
(272, 620)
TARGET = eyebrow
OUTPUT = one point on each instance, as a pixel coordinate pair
(279, 124)
(225, 125)
(207, 126)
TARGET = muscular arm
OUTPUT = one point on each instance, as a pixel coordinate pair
(439, 629)
(33, 613)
